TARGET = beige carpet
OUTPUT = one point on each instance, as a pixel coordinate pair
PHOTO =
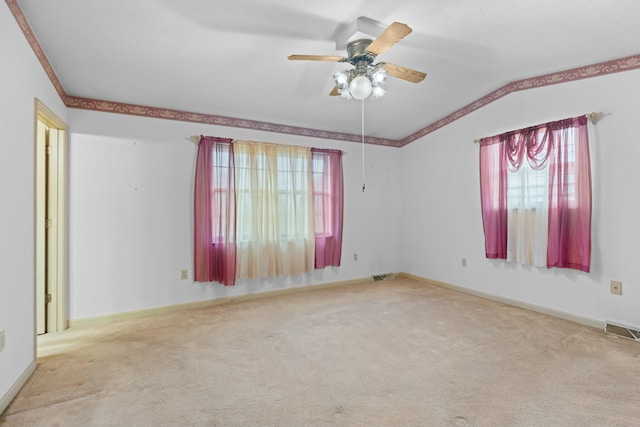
(390, 353)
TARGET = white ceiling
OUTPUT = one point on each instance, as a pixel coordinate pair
(229, 57)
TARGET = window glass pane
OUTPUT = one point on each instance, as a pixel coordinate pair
(322, 195)
(291, 184)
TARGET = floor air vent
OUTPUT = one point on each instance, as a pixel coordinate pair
(622, 331)
(384, 276)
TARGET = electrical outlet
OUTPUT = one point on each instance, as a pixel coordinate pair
(184, 274)
(1, 340)
(355, 257)
(616, 287)
(463, 262)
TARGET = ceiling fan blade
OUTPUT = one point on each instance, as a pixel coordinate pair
(316, 58)
(392, 35)
(404, 73)
(334, 92)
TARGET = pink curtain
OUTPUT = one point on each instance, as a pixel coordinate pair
(552, 144)
(214, 212)
(328, 201)
(493, 195)
(570, 205)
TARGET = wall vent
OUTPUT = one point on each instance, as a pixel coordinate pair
(383, 276)
(622, 331)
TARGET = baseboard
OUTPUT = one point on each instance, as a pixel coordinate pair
(13, 391)
(587, 321)
(118, 317)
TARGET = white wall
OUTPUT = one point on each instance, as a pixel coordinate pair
(21, 80)
(441, 202)
(131, 185)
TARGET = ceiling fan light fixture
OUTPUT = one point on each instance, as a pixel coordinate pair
(360, 87)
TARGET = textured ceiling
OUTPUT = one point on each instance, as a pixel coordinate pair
(229, 58)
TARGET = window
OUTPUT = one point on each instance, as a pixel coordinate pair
(322, 194)
(327, 201)
(267, 209)
(528, 188)
(536, 195)
(222, 192)
(273, 193)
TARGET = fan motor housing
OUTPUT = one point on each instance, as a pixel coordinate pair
(357, 51)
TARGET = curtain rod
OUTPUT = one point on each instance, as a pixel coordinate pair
(594, 118)
(196, 140)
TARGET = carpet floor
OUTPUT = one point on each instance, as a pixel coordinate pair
(390, 353)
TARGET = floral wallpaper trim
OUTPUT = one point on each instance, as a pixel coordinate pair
(586, 72)
(186, 116)
(35, 46)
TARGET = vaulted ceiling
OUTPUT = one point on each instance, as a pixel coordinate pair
(225, 61)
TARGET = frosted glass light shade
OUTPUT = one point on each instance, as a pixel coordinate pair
(360, 87)
(340, 78)
(377, 92)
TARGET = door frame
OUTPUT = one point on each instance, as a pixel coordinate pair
(57, 319)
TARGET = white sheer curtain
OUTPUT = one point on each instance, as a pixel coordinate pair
(275, 229)
(528, 213)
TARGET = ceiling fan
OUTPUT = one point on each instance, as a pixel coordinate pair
(366, 78)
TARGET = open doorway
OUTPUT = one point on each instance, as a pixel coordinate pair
(51, 220)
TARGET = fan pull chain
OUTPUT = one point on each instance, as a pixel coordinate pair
(363, 185)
